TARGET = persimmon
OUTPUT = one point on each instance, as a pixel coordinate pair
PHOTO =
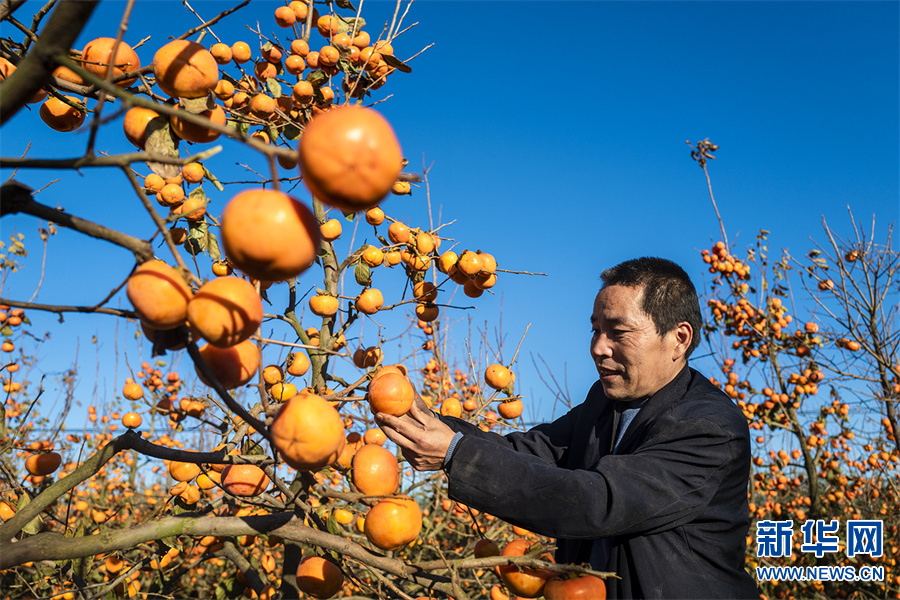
(324, 305)
(526, 582)
(159, 294)
(318, 577)
(390, 393)
(246, 481)
(285, 16)
(365, 358)
(198, 134)
(374, 436)
(485, 547)
(97, 57)
(43, 464)
(7, 511)
(269, 235)
(398, 369)
(510, 409)
(132, 420)
(584, 587)
(308, 432)
(281, 391)
(273, 374)
(240, 52)
(183, 471)
(222, 53)
(427, 311)
(171, 195)
(470, 263)
(135, 124)
(399, 233)
(185, 69)
(446, 261)
(451, 407)
(154, 183)
(302, 93)
(327, 25)
(60, 116)
(375, 216)
(393, 522)
(401, 188)
(67, 74)
(425, 291)
(299, 364)
(233, 366)
(225, 311)
(192, 209)
(300, 47)
(375, 471)
(193, 172)
(497, 376)
(349, 157)
(369, 301)
(132, 390)
(294, 64)
(331, 230)
(373, 256)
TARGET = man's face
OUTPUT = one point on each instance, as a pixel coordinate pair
(632, 360)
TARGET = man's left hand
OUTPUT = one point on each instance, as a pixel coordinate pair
(422, 437)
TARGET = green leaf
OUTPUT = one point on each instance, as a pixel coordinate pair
(346, 25)
(34, 526)
(291, 132)
(362, 273)
(316, 78)
(274, 88)
(241, 127)
(220, 592)
(160, 140)
(344, 4)
(6, 330)
(333, 526)
(395, 62)
(267, 46)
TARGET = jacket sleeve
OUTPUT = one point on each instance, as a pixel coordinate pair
(662, 485)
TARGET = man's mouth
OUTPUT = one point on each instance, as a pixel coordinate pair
(607, 372)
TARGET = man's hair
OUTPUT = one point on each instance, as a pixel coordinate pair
(669, 297)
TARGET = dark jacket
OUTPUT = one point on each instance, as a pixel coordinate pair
(673, 498)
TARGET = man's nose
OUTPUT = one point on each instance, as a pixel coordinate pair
(600, 345)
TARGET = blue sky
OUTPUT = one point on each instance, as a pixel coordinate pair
(556, 132)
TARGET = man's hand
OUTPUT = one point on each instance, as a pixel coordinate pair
(422, 437)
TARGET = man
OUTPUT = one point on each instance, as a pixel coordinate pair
(646, 478)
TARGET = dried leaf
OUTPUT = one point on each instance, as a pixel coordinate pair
(395, 62)
(160, 140)
(363, 274)
(197, 105)
(274, 88)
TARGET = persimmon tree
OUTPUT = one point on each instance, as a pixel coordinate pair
(249, 469)
(808, 348)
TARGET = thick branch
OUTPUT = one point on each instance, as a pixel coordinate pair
(36, 68)
(17, 199)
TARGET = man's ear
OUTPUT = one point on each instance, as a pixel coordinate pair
(684, 334)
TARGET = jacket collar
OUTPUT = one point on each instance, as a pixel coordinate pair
(658, 402)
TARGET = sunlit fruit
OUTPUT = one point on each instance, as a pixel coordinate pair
(135, 124)
(497, 376)
(269, 235)
(97, 57)
(308, 432)
(159, 294)
(43, 464)
(369, 301)
(185, 69)
(583, 587)
(225, 311)
(349, 157)
(61, 116)
(199, 134)
(318, 577)
(246, 481)
(525, 581)
(299, 364)
(375, 471)
(391, 393)
(233, 366)
(393, 522)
